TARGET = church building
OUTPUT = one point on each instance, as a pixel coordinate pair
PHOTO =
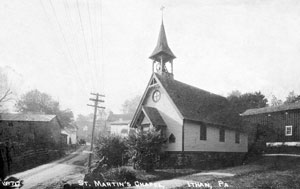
(186, 115)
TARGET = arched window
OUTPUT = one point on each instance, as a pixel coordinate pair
(172, 138)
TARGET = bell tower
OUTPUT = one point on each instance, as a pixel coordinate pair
(162, 55)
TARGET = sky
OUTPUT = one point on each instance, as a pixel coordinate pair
(70, 48)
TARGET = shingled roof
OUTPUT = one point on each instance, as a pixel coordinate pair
(120, 122)
(26, 117)
(116, 117)
(162, 51)
(154, 116)
(271, 109)
(194, 103)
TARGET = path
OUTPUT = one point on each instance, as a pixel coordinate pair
(53, 175)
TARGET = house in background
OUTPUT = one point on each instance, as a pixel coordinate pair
(118, 124)
(71, 132)
(120, 128)
(282, 123)
(190, 118)
(85, 127)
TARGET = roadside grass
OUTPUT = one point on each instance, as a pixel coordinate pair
(281, 173)
(156, 175)
(267, 173)
(270, 179)
(162, 174)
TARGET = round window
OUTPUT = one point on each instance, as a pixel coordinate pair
(156, 96)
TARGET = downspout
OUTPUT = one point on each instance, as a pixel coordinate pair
(183, 135)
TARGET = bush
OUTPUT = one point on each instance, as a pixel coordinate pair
(121, 174)
(112, 149)
(146, 147)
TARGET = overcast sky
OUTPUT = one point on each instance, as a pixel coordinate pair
(69, 48)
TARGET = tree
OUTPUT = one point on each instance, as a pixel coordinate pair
(35, 101)
(275, 101)
(130, 106)
(239, 104)
(66, 117)
(235, 93)
(146, 147)
(246, 101)
(292, 98)
(5, 91)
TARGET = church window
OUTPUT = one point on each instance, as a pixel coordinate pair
(288, 130)
(172, 138)
(203, 132)
(222, 135)
(237, 137)
(163, 132)
(156, 96)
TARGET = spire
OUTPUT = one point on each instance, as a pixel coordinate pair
(162, 52)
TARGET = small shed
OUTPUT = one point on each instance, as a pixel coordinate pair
(71, 133)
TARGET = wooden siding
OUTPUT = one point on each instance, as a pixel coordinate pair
(117, 130)
(277, 121)
(212, 144)
(170, 116)
(31, 135)
(55, 130)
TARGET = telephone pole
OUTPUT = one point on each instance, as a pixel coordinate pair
(96, 101)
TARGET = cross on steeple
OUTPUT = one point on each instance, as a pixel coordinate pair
(162, 12)
(162, 53)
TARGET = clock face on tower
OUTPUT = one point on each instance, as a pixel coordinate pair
(156, 96)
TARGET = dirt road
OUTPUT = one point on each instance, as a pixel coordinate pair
(53, 175)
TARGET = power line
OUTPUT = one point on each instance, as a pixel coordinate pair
(102, 46)
(84, 38)
(72, 28)
(65, 41)
(64, 53)
(70, 46)
(92, 42)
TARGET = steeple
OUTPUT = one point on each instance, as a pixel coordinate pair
(162, 54)
(162, 51)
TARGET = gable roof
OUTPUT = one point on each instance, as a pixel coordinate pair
(154, 116)
(120, 122)
(26, 117)
(68, 130)
(194, 103)
(117, 117)
(271, 109)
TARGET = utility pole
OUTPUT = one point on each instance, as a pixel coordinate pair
(96, 101)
